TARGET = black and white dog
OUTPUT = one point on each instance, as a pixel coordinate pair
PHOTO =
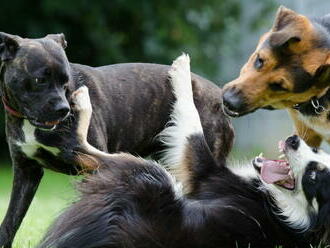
(132, 104)
(131, 202)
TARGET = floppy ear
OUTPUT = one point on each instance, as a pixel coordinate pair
(58, 38)
(283, 38)
(8, 46)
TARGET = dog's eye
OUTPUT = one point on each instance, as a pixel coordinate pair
(40, 80)
(277, 87)
(313, 175)
(315, 149)
(258, 63)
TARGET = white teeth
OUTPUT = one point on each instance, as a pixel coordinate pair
(281, 156)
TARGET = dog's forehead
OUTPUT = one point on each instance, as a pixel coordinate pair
(36, 53)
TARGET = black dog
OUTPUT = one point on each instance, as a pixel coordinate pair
(131, 103)
(134, 203)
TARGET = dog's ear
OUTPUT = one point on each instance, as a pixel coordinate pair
(284, 17)
(282, 39)
(8, 46)
(58, 38)
(287, 28)
(324, 223)
(322, 76)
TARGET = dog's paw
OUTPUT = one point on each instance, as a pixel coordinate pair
(180, 76)
(80, 100)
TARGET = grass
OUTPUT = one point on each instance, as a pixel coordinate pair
(54, 194)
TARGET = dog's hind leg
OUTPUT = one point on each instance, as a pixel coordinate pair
(187, 154)
(27, 177)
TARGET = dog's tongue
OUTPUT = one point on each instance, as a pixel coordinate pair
(273, 171)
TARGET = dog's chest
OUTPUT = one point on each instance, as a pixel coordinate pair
(319, 123)
(30, 145)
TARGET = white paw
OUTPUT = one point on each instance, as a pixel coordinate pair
(80, 99)
(180, 76)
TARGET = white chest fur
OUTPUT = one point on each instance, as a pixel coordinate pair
(319, 123)
(30, 145)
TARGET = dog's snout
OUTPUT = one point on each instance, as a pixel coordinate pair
(62, 109)
(293, 142)
(233, 100)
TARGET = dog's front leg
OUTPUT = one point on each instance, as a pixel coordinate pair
(27, 177)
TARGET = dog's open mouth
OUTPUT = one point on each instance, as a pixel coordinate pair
(276, 172)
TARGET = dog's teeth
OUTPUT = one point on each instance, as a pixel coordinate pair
(281, 156)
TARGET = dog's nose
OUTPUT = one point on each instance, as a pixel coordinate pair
(293, 142)
(234, 101)
(62, 110)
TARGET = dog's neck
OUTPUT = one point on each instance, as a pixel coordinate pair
(9, 106)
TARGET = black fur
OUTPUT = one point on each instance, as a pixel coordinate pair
(131, 102)
(132, 203)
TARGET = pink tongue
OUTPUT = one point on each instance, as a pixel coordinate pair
(273, 171)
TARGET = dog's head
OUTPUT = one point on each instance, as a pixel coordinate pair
(290, 65)
(303, 178)
(34, 77)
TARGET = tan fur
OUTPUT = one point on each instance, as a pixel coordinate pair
(183, 172)
(254, 84)
(311, 137)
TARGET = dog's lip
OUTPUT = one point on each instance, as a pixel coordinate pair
(234, 114)
(48, 125)
(279, 172)
(45, 125)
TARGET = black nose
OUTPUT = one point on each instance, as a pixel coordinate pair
(234, 100)
(62, 109)
(293, 142)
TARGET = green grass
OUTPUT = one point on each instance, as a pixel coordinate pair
(54, 194)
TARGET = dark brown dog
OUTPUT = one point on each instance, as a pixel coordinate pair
(132, 104)
(289, 69)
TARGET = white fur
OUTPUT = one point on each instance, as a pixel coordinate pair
(31, 145)
(185, 119)
(82, 105)
(243, 170)
(293, 203)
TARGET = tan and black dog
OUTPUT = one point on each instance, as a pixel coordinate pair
(289, 69)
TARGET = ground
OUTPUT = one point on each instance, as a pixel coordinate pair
(54, 194)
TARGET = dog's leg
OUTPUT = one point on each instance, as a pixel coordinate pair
(89, 157)
(184, 138)
(311, 138)
(27, 177)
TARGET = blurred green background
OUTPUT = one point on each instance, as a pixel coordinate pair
(106, 32)
(219, 35)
